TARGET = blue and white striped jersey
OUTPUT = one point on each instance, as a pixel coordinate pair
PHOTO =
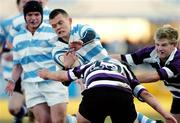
(92, 49)
(107, 73)
(169, 71)
(19, 22)
(33, 52)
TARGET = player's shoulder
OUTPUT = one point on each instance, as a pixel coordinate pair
(176, 57)
(20, 36)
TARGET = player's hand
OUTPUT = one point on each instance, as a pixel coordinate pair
(80, 82)
(43, 73)
(170, 119)
(10, 88)
(69, 59)
(76, 45)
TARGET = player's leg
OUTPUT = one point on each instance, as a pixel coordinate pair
(81, 119)
(31, 118)
(36, 102)
(56, 95)
(58, 113)
(16, 106)
(41, 112)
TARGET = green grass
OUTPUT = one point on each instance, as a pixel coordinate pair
(10, 121)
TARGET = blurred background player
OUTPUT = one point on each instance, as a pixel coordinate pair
(19, 20)
(16, 102)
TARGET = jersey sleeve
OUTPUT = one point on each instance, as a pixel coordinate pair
(87, 34)
(78, 72)
(135, 85)
(169, 71)
(138, 56)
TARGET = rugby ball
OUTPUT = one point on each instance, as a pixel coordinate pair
(59, 59)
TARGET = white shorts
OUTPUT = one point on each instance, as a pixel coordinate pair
(39, 92)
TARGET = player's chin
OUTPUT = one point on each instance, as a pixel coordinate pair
(162, 56)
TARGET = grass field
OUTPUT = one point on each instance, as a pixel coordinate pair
(161, 93)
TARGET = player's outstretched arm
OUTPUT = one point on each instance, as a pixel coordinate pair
(60, 75)
(148, 76)
(152, 101)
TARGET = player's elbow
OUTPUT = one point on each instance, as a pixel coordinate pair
(146, 95)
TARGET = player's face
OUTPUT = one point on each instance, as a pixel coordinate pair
(33, 20)
(164, 48)
(62, 26)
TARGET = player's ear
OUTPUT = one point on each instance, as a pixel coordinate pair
(70, 20)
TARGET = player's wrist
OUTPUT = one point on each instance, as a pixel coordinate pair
(10, 80)
(66, 67)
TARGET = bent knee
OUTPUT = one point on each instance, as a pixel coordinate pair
(14, 110)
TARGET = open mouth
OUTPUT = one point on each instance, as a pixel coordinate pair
(161, 52)
(60, 32)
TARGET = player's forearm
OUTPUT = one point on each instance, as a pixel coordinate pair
(16, 73)
(147, 76)
(152, 101)
(58, 76)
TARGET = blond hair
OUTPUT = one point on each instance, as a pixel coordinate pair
(168, 32)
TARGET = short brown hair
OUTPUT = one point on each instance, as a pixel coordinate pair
(167, 32)
(55, 12)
